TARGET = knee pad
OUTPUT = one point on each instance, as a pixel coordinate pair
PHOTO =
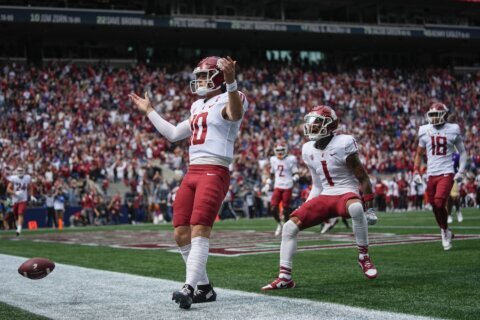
(356, 210)
(290, 230)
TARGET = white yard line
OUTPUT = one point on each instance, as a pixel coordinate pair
(79, 293)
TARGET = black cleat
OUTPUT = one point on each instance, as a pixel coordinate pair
(18, 234)
(184, 297)
(204, 293)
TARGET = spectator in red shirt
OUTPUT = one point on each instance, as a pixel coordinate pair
(380, 195)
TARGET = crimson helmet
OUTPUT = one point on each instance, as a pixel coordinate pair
(207, 77)
(437, 114)
(321, 122)
(280, 150)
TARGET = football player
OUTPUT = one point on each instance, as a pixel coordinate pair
(438, 140)
(19, 187)
(284, 171)
(212, 129)
(336, 173)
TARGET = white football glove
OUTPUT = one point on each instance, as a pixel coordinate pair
(18, 193)
(371, 216)
(458, 177)
(33, 199)
(295, 177)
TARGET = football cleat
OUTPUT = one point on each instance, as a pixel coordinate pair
(447, 237)
(371, 216)
(367, 267)
(184, 297)
(280, 283)
(459, 216)
(204, 293)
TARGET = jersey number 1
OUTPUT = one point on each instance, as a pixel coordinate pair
(198, 125)
(327, 174)
(439, 146)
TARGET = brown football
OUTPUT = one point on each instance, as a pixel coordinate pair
(36, 268)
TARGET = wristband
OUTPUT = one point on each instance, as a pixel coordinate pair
(231, 87)
(368, 197)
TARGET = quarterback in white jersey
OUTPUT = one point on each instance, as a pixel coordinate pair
(336, 174)
(19, 187)
(284, 171)
(212, 128)
(438, 141)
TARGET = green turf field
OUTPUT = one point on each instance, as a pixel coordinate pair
(419, 279)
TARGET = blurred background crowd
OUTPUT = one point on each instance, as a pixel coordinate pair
(76, 133)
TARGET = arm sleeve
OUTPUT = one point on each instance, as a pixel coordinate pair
(421, 141)
(463, 154)
(168, 130)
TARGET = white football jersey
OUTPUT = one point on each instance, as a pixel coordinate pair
(440, 145)
(20, 186)
(212, 135)
(284, 170)
(329, 167)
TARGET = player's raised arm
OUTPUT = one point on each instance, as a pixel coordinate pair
(234, 109)
(168, 130)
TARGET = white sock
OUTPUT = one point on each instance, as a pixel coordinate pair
(19, 228)
(185, 251)
(197, 261)
(288, 248)
(359, 224)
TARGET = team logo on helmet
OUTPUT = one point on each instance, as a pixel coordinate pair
(207, 77)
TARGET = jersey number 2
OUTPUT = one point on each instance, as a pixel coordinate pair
(280, 168)
(439, 145)
(327, 174)
(198, 125)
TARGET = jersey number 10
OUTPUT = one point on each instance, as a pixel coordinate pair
(198, 125)
(439, 145)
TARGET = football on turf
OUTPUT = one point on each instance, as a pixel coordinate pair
(36, 268)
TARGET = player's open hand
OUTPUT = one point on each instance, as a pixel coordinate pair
(143, 105)
(227, 66)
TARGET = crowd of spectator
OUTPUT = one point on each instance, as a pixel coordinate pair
(74, 129)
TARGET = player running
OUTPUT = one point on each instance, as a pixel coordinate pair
(438, 140)
(19, 187)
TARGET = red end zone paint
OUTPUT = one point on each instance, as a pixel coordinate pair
(234, 243)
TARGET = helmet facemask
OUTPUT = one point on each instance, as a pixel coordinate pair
(280, 152)
(203, 81)
(436, 117)
(316, 127)
(20, 172)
